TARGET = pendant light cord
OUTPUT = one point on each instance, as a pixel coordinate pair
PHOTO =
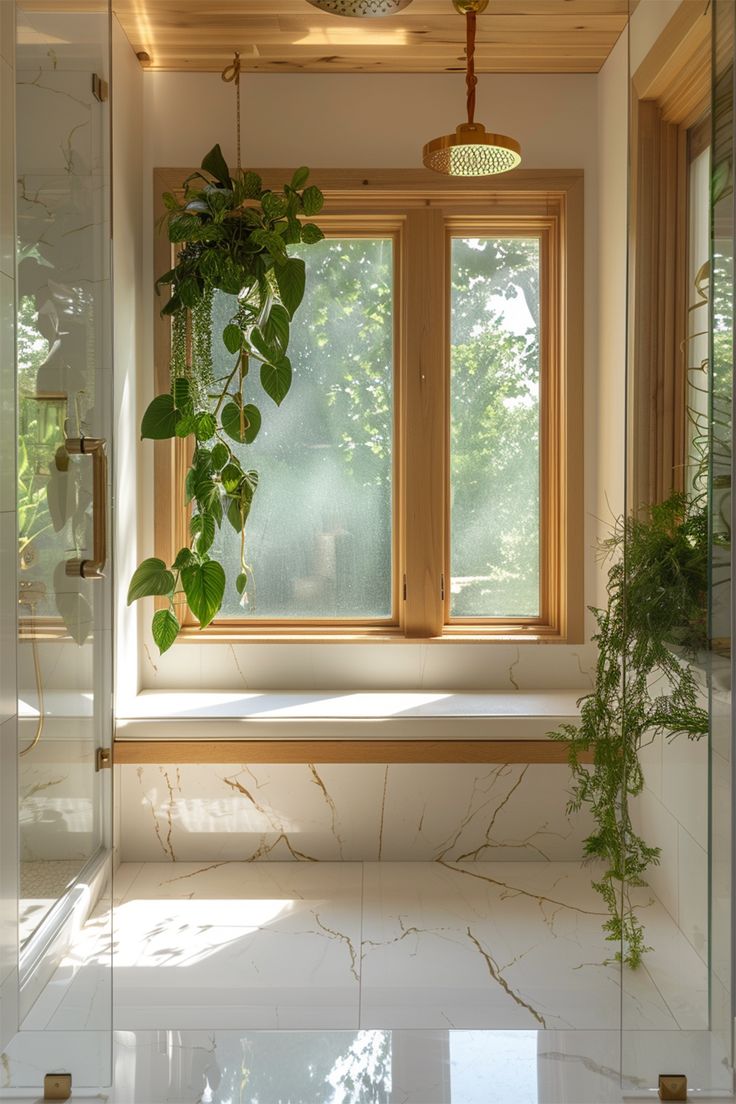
(471, 78)
(231, 73)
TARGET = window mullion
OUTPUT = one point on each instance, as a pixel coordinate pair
(424, 420)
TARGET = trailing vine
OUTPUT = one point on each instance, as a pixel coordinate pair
(654, 619)
(233, 236)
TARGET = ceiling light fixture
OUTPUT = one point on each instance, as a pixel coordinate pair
(361, 9)
(471, 150)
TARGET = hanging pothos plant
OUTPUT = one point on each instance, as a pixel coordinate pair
(234, 237)
(654, 620)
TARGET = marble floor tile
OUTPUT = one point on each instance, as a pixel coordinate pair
(229, 946)
(496, 945)
(249, 945)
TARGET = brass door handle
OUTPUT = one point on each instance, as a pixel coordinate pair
(94, 447)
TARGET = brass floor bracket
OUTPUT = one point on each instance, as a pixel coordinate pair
(672, 1086)
(57, 1086)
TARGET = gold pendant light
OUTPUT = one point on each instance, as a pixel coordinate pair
(471, 150)
(361, 9)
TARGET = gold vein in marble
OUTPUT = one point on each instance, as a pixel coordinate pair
(471, 811)
(516, 891)
(497, 975)
(343, 939)
(488, 842)
(39, 786)
(149, 657)
(194, 873)
(330, 804)
(516, 662)
(267, 814)
(166, 845)
(383, 813)
(265, 849)
(237, 664)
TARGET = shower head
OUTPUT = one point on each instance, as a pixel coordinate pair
(361, 9)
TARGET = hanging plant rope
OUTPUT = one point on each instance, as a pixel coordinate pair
(232, 73)
(233, 237)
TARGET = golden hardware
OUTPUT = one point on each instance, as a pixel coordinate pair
(103, 758)
(471, 150)
(57, 1086)
(672, 1086)
(99, 88)
(94, 447)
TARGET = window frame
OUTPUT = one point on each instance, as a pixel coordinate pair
(420, 211)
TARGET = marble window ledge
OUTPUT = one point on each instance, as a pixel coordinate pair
(522, 715)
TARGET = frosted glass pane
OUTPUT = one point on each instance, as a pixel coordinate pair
(318, 539)
(495, 411)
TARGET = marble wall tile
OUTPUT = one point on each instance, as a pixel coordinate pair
(8, 615)
(407, 666)
(655, 823)
(57, 788)
(8, 435)
(8, 849)
(344, 812)
(7, 154)
(693, 891)
(685, 784)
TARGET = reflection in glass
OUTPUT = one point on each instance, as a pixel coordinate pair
(318, 539)
(495, 427)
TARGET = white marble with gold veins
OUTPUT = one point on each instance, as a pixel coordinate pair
(337, 812)
(338, 946)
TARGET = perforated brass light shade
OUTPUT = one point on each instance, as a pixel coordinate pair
(361, 9)
(472, 151)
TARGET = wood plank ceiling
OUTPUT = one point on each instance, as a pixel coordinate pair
(514, 36)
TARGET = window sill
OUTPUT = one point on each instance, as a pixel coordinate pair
(340, 715)
(454, 634)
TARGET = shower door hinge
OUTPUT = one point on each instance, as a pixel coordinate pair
(103, 758)
(57, 1086)
(99, 88)
(672, 1086)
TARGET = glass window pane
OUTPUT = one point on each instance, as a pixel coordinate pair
(495, 428)
(318, 539)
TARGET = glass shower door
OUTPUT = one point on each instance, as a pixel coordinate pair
(65, 395)
(678, 1004)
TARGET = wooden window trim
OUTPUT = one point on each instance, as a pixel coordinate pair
(670, 93)
(417, 205)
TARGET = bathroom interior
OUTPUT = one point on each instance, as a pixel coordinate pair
(433, 802)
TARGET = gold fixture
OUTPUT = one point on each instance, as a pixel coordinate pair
(361, 9)
(94, 447)
(672, 1086)
(100, 88)
(471, 150)
(103, 758)
(30, 593)
(57, 1086)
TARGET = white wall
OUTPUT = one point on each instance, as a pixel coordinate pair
(8, 541)
(381, 122)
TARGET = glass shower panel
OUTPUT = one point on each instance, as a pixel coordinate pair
(677, 1000)
(64, 384)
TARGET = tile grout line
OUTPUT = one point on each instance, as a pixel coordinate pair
(360, 958)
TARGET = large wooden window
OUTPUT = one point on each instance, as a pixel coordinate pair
(424, 477)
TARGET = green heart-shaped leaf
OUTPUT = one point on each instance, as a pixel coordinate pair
(204, 586)
(165, 629)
